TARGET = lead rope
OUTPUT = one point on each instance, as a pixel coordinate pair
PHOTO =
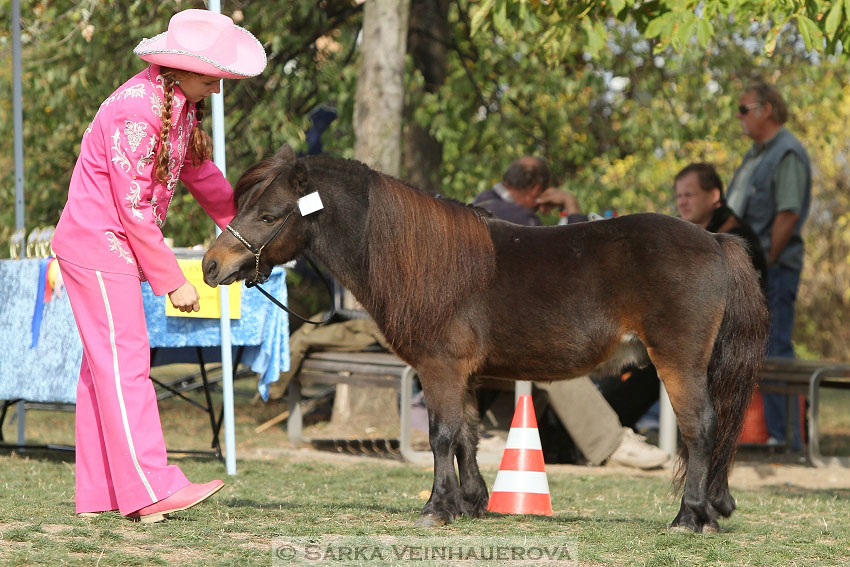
(255, 282)
(327, 318)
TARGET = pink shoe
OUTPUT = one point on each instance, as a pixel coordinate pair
(181, 500)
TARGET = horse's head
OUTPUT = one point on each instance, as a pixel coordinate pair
(268, 228)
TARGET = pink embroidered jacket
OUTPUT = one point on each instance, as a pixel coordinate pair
(116, 206)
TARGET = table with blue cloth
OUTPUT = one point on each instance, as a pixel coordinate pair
(42, 350)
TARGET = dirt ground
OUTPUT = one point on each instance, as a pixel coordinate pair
(754, 469)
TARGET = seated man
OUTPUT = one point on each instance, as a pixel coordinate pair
(699, 199)
(587, 417)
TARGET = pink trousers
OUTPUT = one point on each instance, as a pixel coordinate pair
(121, 461)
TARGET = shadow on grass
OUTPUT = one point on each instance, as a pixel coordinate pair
(300, 507)
(39, 454)
(66, 454)
(794, 491)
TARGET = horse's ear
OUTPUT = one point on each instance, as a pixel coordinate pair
(299, 179)
(285, 153)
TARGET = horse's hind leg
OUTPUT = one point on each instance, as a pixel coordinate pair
(472, 485)
(692, 404)
(719, 496)
(444, 389)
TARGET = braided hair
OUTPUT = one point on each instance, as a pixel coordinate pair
(200, 145)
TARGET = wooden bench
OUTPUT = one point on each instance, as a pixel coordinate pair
(804, 377)
(378, 369)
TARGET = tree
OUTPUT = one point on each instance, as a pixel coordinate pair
(76, 53)
(823, 24)
(380, 85)
(616, 101)
(427, 44)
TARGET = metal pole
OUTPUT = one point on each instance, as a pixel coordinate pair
(18, 121)
(17, 117)
(521, 388)
(666, 424)
(226, 353)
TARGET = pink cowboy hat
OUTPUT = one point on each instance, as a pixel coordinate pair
(205, 42)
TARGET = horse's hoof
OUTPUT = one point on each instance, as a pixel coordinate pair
(711, 527)
(681, 529)
(476, 510)
(429, 521)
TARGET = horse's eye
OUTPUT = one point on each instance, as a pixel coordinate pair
(268, 219)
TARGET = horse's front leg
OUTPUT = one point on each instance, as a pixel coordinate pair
(444, 394)
(472, 485)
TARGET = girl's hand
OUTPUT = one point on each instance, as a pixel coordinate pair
(185, 298)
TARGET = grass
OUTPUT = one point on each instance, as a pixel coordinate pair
(612, 519)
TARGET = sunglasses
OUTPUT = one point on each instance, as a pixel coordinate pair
(745, 108)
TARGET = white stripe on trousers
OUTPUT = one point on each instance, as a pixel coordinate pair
(118, 390)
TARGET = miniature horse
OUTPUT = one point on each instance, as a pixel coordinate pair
(458, 294)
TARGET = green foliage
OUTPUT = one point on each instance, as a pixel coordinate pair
(823, 24)
(617, 126)
(617, 95)
(76, 53)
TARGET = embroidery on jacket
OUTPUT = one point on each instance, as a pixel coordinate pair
(134, 195)
(134, 91)
(135, 132)
(175, 166)
(148, 157)
(119, 157)
(157, 216)
(157, 102)
(116, 246)
(177, 155)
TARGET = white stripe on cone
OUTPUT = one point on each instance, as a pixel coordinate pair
(524, 438)
(521, 481)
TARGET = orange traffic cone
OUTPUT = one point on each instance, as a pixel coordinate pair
(521, 485)
(754, 430)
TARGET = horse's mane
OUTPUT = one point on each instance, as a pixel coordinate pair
(425, 256)
(262, 171)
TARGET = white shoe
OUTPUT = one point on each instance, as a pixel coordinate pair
(635, 452)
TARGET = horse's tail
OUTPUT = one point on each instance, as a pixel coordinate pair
(735, 364)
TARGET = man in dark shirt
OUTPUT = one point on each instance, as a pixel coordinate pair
(525, 189)
(699, 199)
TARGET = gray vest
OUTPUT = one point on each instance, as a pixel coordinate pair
(759, 206)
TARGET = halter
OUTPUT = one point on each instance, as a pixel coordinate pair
(259, 278)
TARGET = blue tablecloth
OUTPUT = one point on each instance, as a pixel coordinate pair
(49, 372)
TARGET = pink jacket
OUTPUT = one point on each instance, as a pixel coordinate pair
(116, 207)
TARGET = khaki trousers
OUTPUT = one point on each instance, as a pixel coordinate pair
(590, 421)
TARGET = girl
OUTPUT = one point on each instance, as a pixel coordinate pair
(144, 138)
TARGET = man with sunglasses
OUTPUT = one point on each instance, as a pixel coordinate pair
(771, 191)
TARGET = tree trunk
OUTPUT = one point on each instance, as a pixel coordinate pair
(379, 98)
(427, 42)
(378, 106)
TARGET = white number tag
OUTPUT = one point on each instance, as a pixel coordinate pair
(309, 204)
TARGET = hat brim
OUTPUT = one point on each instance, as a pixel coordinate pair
(250, 57)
